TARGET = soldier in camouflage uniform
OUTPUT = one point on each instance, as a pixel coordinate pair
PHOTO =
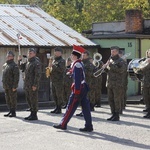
(115, 68)
(10, 79)
(31, 81)
(57, 72)
(98, 86)
(145, 71)
(67, 82)
(124, 96)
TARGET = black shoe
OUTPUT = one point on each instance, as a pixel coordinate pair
(7, 115)
(33, 116)
(111, 117)
(54, 111)
(116, 117)
(80, 114)
(85, 129)
(147, 115)
(58, 111)
(145, 110)
(26, 118)
(91, 107)
(13, 114)
(60, 127)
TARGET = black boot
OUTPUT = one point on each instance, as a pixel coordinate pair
(33, 116)
(147, 115)
(58, 111)
(26, 118)
(60, 127)
(116, 117)
(7, 115)
(54, 111)
(13, 113)
(113, 114)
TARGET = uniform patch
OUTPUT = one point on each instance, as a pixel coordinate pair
(78, 65)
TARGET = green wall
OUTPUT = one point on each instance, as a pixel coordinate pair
(145, 45)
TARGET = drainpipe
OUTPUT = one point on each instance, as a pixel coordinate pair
(139, 84)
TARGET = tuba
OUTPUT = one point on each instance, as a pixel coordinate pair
(96, 59)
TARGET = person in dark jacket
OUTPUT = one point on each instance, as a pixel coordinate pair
(10, 79)
(31, 79)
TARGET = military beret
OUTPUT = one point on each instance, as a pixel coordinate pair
(10, 53)
(58, 49)
(32, 50)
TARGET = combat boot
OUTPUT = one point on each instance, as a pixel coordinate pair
(26, 118)
(13, 113)
(54, 111)
(116, 117)
(33, 116)
(58, 111)
(7, 115)
(148, 114)
(113, 114)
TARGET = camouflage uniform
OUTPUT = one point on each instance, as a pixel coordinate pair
(10, 79)
(67, 82)
(115, 82)
(58, 68)
(98, 86)
(32, 78)
(90, 80)
(146, 86)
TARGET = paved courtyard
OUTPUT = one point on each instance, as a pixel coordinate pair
(131, 133)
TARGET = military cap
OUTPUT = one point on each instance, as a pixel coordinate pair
(32, 50)
(10, 53)
(58, 49)
(115, 47)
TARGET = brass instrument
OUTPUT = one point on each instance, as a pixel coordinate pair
(96, 59)
(49, 68)
(100, 71)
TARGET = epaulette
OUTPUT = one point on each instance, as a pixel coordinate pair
(78, 65)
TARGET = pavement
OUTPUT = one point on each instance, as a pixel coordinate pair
(132, 132)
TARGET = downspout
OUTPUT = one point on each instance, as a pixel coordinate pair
(139, 84)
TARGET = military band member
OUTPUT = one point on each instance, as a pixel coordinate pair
(98, 85)
(145, 70)
(31, 79)
(124, 96)
(79, 93)
(115, 68)
(10, 79)
(56, 76)
(67, 81)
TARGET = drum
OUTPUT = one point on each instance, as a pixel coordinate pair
(134, 63)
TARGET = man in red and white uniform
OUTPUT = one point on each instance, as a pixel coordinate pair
(78, 94)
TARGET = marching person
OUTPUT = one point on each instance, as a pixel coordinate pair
(31, 79)
(67, 81)
(145, 70)
(115, 69)
(10, 79)
(79, 93)
(57, 71)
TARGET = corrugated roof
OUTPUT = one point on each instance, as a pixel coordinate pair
(36, 27)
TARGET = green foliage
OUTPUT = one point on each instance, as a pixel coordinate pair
(80, 14)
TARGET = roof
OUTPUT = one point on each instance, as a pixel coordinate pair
(36, 28)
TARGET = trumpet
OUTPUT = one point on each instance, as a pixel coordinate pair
(96, 59)
(49, 68)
